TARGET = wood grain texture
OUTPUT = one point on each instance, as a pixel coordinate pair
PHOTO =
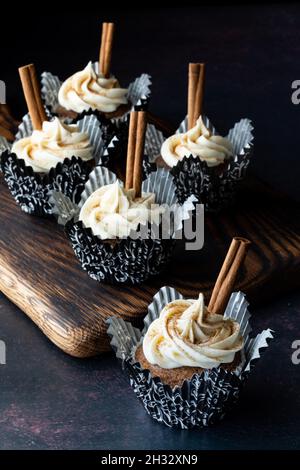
(8, 124)
(40, 274)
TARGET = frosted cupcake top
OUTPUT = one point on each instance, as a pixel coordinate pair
(112, 211)
(186, 334)
(198, 142)
(87, 90)
(45, 148)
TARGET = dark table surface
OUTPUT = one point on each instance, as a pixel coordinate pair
(49, 400)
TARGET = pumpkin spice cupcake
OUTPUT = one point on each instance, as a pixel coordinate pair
(186, 339)
(94, 90)
(202, 162)
(48, 153)
(116, 230)
(189, 363)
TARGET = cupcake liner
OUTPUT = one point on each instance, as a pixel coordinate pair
(153, 142)
(31, 189)
(129, 260)
(205, 398)
(138, 95)
(4, 145)
(215, 187)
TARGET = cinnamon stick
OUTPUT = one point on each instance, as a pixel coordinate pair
(106, 48)
(135, 151)
(193, 79)
(199, 93)
(195, 92)
(37, 93)
(131, 149)
(228, 275)
(102, 48)
(30, 97)
(139, 153)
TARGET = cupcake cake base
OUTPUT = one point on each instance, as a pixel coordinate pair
(176, 377)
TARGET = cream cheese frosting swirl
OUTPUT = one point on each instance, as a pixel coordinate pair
(198, 142)
(186, 334)
(87, 90)
(45, 148)
(111, 211)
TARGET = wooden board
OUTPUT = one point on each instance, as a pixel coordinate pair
(39, 272)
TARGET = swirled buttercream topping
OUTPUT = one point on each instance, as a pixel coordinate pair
(87, 90)
(45, 148)
(186, 334)
(112, 211)
(198, 142)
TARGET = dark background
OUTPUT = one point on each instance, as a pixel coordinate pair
(252, 54)
(51, 401)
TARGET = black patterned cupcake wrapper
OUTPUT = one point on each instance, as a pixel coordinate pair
(212, 186)
(130, 260)
(31, 189)
(138, 95)
(127, 261)
(206, 397)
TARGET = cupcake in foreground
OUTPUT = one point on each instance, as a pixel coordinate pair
(186, 339)
(48, 153)
(201, 161)
(116, 231)
(94, 90)
(190, 362)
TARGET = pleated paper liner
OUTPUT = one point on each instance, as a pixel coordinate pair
(215, 187)
(205, 398)
(129, 260)
(138, 96)
(31, 189)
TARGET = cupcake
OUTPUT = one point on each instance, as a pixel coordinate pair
(114, 212)
(89, 90)
(189, 364)
(186, 339)
(45, 148)
(116, 230)
(94, 90)
(202, 162)
(48, 153)
(200, 143)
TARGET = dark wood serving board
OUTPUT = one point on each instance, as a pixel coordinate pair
(39, 272)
